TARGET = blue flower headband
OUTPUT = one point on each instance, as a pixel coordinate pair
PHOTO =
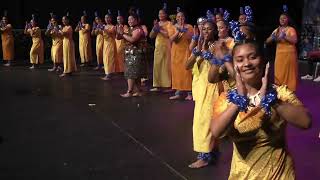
(96, 14)
(237, 34)
(285, 8)
(209, 15)
(165, 7)
(84, 12)
(178, 9)
(119, 13)
(241, 11)
(226, 15)
(249, 13)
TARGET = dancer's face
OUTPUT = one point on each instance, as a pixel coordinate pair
(242, 19)
(162, 15)
(218, 17)
(180, 18)
(65, 21)
(283, 20)
(222, 29)
(120, 20)
(132, 21)
(108, 19)
(83, 19)
(249, 62)
(54, 21)
(207, 31)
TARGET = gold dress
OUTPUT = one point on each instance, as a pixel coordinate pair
(99, 48)
(204, 94)
(57, 47)
(85, 49)
(69, 61)
(37, 49)
(109, 49)
(259, 143)
(286, 61)
(120, 44)
(162, 56)
(7, 43)
(181, 78)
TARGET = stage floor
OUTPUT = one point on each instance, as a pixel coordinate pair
(80, 128)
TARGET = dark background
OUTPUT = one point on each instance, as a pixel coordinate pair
(266, 12)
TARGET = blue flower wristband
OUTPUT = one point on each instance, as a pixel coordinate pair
(241, 101)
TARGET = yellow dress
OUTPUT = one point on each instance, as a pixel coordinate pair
(120, 44)
(37, 49)
(57, 48)
(286, 62)
(85, 49)
(259, 144)
(204, 94)
(109, 49)
(181, 78)
(99, 49)
(162, 56)
(69, 61)
(7, 43)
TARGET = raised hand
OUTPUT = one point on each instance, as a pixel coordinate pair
(242, 90)
(195, 30)
(264, 87)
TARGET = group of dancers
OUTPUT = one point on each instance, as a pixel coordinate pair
(226, 74)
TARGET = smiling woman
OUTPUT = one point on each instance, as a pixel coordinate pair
(254, 116)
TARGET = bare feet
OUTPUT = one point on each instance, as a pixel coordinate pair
(82, 65)
(106, 78)
(32, 67)
(63, 75)
(96, 68)
(175, 97)
(7, 64)
(127, 94)
(58, 69)
(154, 89)
(137, 94)
(189, 98)
(198, 164)
(52, 69)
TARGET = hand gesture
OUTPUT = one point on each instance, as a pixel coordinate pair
(195, 30)
(241, 88)
(264, 87)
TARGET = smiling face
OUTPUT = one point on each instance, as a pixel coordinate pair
(222, 29)
(65, 20)
(283, 20)
(97, 20)
(249, 62)
(53, 22)
(242, 19)
(4, 20)
(208, 31)
(108, 19)
(180, 18)
(83, 19)
(218, 17)
(33, 23)
(162, 15)
(132, 21)
(120, 20)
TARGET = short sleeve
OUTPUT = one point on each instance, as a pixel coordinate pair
(286, 95)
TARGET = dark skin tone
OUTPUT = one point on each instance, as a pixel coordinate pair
(252, 77)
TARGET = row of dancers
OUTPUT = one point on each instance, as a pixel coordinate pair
(228, 78)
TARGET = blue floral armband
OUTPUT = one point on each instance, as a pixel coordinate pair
(196, 52)
(268, 100)
(216, 61)
(241, 101)
(273, 37)
(195, 37)
(207, 55)
(183, 30)
(156, 29)
(227, 58)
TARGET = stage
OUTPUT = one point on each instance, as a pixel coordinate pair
(80, 128)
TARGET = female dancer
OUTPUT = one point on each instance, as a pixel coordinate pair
(7, 40)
